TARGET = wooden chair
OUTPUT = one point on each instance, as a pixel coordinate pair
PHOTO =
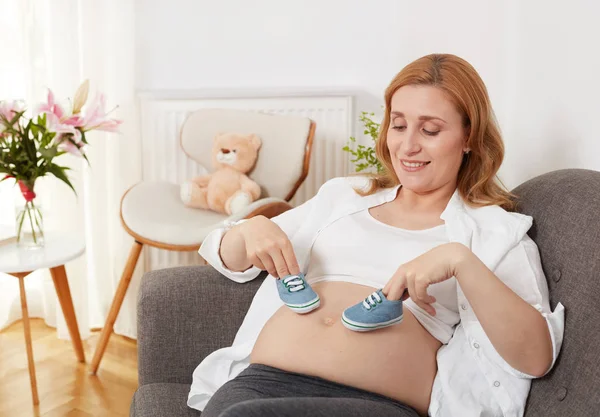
(165, 223)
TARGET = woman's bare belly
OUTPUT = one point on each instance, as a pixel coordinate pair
(397, 361)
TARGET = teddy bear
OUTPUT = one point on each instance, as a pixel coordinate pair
(228, 189)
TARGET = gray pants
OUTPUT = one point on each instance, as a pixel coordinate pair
(264, 391)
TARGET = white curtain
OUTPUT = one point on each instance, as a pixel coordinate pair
(57, 44)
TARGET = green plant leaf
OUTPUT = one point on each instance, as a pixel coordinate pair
(59, 172)
(365, 157)
(49, 153)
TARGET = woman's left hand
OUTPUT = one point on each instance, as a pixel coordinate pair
(436, 265)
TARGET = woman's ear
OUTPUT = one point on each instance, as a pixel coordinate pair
(466, 149)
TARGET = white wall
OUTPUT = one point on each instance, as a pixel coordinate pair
(555, 98)
(539, 59)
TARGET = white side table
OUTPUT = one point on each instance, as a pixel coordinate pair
(21, 262)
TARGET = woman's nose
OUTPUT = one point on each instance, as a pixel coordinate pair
(225, 151)
(411, 143)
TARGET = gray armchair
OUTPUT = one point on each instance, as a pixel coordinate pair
(179, 326)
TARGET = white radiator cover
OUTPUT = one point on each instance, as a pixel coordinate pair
(161, 116)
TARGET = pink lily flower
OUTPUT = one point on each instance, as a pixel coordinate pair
(109, 125)
(8, 109)
(66, 145)
(96, 117)
(54, 124)
(64, 132)
(75, 121)
(52, 107)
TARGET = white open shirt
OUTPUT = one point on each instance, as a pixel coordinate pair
(472, 378)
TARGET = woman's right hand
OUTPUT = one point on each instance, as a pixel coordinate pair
(268, 247)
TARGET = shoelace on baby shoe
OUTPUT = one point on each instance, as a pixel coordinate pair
(294, 283)
(372, 300)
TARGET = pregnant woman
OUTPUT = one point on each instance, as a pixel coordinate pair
(428, 253)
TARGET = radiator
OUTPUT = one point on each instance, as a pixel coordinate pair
(164, 160)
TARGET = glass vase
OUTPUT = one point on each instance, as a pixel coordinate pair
(29, 219)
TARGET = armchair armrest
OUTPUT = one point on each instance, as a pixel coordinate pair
(184, 314)
(268, 207)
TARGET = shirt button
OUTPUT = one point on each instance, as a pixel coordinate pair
(463, 306)
(496, 383)
(562, 393)
(556, 275)
(476, 345)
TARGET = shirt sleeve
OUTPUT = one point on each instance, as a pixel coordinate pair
(521, 269)
(289, 221)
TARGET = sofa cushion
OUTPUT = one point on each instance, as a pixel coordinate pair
(565, 206)
(162, 400)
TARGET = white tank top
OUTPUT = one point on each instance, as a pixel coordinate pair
(362, 250)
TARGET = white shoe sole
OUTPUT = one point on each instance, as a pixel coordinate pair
(364, 327)
(306, 307)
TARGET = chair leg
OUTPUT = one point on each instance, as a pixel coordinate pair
(27, 329)
(134, 255)
(61, 284)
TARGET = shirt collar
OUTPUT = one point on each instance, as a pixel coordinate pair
(462, 221)
(455, 204)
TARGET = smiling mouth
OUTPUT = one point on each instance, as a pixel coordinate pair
(414, 164)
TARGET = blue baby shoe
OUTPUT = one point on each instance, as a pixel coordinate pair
(297, 294)
(375, 312)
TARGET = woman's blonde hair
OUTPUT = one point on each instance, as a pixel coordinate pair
(477, 181)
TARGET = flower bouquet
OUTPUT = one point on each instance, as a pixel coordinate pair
(30, 144)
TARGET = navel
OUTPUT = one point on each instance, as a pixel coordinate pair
(328, 321)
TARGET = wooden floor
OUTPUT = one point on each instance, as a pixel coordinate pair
(65, 386)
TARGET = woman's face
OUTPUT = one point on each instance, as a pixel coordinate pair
(426, 138)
